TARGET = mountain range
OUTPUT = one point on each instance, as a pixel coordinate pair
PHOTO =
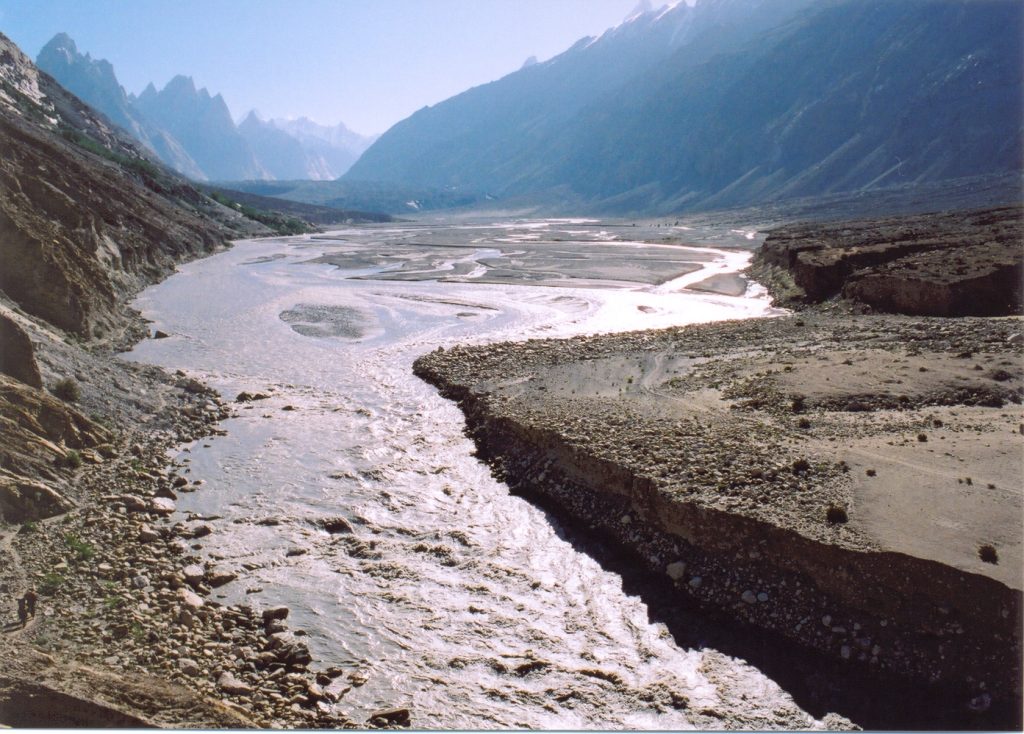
(730, 103)
(193, 132)
(725, 103)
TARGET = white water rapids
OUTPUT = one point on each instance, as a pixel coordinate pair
(454, 597)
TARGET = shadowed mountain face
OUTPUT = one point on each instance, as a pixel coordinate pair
(280, 154)
(734, 102)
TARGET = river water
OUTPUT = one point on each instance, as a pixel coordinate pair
(451, 596)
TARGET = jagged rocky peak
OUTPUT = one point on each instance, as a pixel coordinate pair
(61, 45)
(94, 82)
(61, 58)
(149, 92)
(181, 85)
(339, 135)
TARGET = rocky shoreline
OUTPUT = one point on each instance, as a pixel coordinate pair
(710, 457)
(126, 632)
(124, 592)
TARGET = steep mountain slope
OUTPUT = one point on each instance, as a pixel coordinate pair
(86, 219)
(733, 102)
(497, 138)
(860, 95)
(95, 83)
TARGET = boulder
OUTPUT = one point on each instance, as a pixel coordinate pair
(200, 531)
(334, 525)
(390, 717)
(190, 598)
(133, 503)
(275, 613)
(166, 492)
(194, 574)
(23, 499)
(219, 578)
(676, 571)
(161, 506)
(231, 685)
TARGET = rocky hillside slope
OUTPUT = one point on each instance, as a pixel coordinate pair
(949, 264)
(86, 217)
(86, 220)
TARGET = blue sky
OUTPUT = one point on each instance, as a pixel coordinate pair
(367, 63)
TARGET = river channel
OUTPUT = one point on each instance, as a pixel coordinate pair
(450, 595)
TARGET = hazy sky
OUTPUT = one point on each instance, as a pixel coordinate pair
(367, 63)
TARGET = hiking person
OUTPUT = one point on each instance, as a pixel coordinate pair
(30, 602)
(22, 611)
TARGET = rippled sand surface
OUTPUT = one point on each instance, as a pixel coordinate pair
(451, 595)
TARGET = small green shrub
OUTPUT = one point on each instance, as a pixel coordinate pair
(72, 459)
(29, 527)
(50, 583)
(67, 390)
(114, 602)
(82, 550)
